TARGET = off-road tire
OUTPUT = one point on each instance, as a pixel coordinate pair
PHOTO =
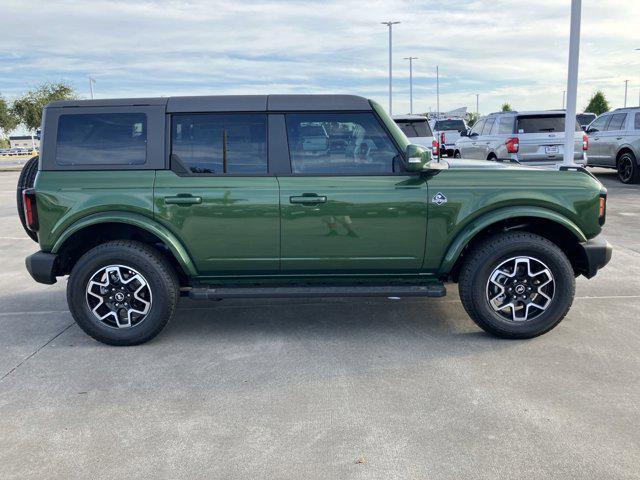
(628, 169)
(26, 180)
(146, 260)
(492, 252)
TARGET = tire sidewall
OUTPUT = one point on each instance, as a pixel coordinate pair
(563, 295)
(161, 307)
(627, 157)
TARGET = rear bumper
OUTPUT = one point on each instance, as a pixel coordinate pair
(596, 254)
(41, 266)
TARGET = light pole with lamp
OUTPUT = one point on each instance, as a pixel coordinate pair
(411, 59)
(390, 25)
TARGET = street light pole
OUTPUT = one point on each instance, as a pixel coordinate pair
(477, 106)
(626, 86)
(411, 59)
(91, 82)
(437, 92)
(564, 94)
(572, 83)
(390, 25)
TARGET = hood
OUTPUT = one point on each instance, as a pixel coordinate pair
(486, 165)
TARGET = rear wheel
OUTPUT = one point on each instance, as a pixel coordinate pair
(122, 292)
(26, 180)
(456, 154)
(517, 285)
(628, 170)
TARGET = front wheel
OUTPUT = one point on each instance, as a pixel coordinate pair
(122, 292)
(517, 285)
(457, 154)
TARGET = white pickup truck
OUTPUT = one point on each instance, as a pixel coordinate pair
(447, 131)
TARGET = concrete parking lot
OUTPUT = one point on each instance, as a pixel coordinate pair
(326, 389)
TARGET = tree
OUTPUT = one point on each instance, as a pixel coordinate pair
(28, 108)
(8, 121)
(506, 107)
(472, 118)
(598, 104)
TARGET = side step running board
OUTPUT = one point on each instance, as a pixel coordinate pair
(430, 290)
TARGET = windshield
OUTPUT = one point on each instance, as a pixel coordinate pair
(542, 124)
(450, 125)
(415, 128)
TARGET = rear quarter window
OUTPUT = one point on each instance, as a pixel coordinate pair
(102, 139)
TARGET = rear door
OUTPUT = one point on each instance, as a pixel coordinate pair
(350, 208)
(612, 137)
(219, 198)
(541, 138)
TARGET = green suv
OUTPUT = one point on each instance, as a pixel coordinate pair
(141, 201)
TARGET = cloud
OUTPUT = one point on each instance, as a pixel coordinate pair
(513, 51)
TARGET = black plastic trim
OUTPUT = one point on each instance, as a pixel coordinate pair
(41, 266)
(597, 253)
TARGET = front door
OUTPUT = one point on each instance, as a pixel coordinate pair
(597, 143)
(347, 205)
(219, 199)
(469, 146)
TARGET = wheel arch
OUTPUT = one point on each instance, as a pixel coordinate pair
(92, 230)
(546, 223)
(622, 151)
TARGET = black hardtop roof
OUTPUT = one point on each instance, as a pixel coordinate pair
(230, 103)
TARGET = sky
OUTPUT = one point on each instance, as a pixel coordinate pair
(503, 50)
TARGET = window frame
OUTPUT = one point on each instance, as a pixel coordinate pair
(402, 154)
(183, 171)
(155, 158)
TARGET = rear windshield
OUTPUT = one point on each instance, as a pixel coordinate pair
(415, 128)
(586, 118)
(450, 125)
(542, 124)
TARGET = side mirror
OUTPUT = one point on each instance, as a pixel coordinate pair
(464, 133)
(419, 160)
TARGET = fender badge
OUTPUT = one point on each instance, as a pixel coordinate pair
(439, 199)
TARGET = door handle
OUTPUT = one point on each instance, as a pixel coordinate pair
(182, 200)
(308, 199)
(618, 138)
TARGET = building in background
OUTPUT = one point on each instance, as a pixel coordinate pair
(24, 141)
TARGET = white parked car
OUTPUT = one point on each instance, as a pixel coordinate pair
(418, 130)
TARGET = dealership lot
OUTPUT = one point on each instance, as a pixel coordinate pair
(305, 388)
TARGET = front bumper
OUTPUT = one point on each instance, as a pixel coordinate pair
(596, 254)
(41, 266)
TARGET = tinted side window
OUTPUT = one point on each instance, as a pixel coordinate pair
(488, 126)
(102, 139)
(220, 144)
(636, 122)
(340, 143)
(505, 126)
(617, 122)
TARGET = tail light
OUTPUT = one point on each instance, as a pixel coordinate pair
(513, 144)
(602, 207)
(435, 148)
(442, 138)
(585, 142)
(30, 209)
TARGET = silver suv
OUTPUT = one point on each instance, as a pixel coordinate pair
(615, 143)
(534, 138)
